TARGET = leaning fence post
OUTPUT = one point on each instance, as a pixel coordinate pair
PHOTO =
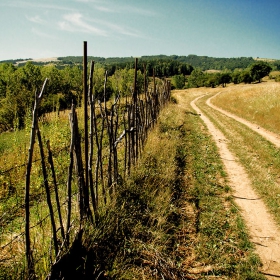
(86, 185)
(48, 194)
(50, 160)
(70, 171)
(92, 116)
(136, 125)
(28, 253)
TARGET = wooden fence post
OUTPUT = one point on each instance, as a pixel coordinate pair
(92, 116)
(50, 160)
(48, 193)
(70, 171)
(85, 94)
(28, 253)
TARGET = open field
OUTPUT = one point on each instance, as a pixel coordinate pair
(50, 59)
(258, 103)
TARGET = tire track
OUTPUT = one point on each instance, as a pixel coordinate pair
(270, 136)
(263, 231)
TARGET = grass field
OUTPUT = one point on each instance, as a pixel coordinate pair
(258, 103)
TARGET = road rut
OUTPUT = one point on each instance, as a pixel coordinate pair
(270, 136)
(263, 231)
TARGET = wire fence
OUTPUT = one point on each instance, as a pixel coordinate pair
(40, 224)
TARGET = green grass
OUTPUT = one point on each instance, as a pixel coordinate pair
(173, 218)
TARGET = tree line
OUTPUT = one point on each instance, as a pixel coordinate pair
(18, 84)
(199, 78)
(202, 62)
(164, 66)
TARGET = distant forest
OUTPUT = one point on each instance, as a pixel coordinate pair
(202, 62)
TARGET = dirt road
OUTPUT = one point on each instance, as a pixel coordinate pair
(264, 232)
(270, 136)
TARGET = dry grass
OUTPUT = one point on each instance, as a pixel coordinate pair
(258, 103)
(274, 74)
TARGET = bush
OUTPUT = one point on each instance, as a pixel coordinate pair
(178, 81)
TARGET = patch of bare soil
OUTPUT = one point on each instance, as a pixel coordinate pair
(263, 231)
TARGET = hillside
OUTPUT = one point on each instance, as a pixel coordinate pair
(202, 62)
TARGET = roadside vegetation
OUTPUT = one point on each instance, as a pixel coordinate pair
(174, 218)
(253, 73)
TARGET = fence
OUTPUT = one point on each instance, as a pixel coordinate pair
(99, 159)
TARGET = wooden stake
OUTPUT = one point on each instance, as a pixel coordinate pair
(28, 253)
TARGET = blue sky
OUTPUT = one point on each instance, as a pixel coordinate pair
(219, 28)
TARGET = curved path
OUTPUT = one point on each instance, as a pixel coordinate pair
(270, 136)
(263, 231)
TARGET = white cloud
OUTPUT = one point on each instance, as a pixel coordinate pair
(125, 9)
(104, 9)
(36, 19)
(122, 30)
(41, 34)
(76, 23)
(135, 10)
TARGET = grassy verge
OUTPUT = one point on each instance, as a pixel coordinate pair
(174, 218)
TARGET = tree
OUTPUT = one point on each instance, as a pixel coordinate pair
(276, 65)
(123, 81)
(98, 88)
(72, 85)
(212, 80)
(31, 77)
(224, 78)
(245, 77)
(259, 70)
(55, 79)
(7, 71)
(53, 90)
(196, 78)
(235, 76)
(178, 81)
